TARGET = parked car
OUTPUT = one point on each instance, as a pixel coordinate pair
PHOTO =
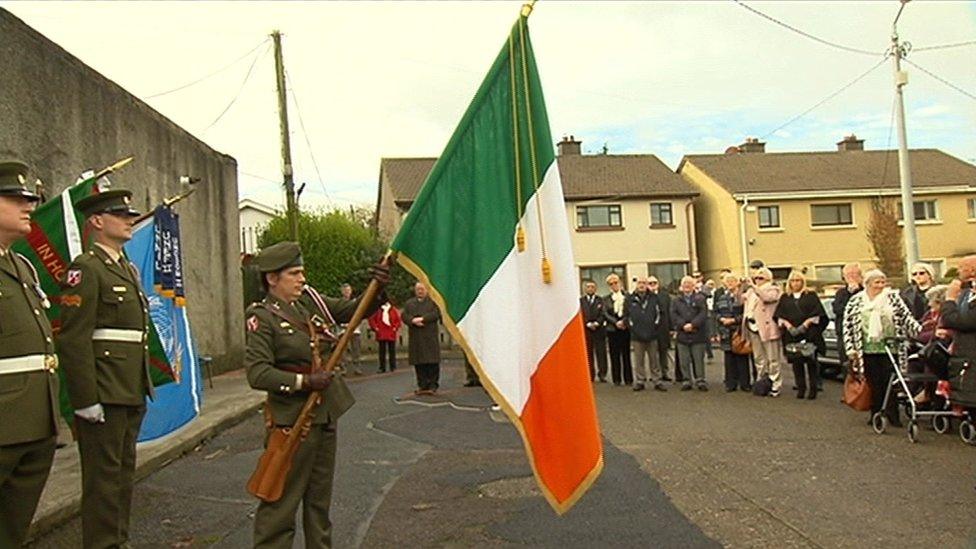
(833, 365)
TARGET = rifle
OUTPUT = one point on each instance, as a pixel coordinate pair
(268, 480)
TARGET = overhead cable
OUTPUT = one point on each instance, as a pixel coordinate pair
(946, 46)
(807, 34)
(240, 89)
(826, 99)
(214, 73)
(308, 143)
(940, 79)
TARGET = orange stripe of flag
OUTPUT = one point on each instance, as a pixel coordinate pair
(560, 419)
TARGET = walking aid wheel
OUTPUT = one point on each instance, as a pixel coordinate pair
(879, 423)
(940, 424)
(967, 432)
(913, 431)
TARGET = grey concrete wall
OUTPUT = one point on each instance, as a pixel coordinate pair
(62, 117)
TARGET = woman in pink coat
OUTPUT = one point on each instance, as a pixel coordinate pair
(759, 322)
(385, 323)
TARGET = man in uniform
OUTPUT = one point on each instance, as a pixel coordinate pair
(103, 347)
(28, 384)
(278, 360)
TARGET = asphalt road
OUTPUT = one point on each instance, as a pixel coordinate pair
(681, 470)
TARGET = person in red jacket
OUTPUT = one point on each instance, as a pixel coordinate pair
(385, 323)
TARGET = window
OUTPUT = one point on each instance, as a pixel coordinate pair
(925, 210)
(825, 215)
(781, 273)
(661, 214)
(768, 217)
(972, 208)
(600, 274)
(829, 273)
(668, 274)
(598, 216)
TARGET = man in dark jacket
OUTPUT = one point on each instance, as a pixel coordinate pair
(644, 316)
(422, 316)
(689, 315)
(854, 279)
(591, 306)
(664, 334)
(959, 309)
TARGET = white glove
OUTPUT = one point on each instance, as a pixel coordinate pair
(92, 414)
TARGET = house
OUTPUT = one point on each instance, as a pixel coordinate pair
(254, 218)
(628, 214)
(810, 210)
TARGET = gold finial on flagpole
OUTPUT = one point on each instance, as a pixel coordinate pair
(546, 271)
(120, 164)
(527, 8)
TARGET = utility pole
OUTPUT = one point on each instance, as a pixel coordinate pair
(291, 203)
(899, 50)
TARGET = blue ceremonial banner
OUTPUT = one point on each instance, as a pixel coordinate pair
(155, 250)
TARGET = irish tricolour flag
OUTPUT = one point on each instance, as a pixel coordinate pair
(488, 234)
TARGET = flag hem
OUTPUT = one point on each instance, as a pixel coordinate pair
(591, 476)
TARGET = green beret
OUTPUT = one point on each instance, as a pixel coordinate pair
(117, 201)
(13, 180)
(276, 257)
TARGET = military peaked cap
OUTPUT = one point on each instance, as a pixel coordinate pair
(13, 180)
(114, 202)
(279, 256)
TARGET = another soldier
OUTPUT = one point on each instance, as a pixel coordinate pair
(278, 360)
(28, 384)
(103, 347)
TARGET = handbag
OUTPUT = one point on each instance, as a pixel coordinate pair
(857, 393)
(740, 343)
(804, 349)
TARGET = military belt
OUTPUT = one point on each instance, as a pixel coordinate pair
(28, 363)
(117, 334)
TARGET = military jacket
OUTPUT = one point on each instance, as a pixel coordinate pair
(28, 400)
(103, 343)
(277, 349)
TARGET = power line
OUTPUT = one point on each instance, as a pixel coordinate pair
(239, 90)
(308, 143)
(946, 46)
(214, 73)
(807, 34)
(826, 99)
(891, 127)
(940, 79)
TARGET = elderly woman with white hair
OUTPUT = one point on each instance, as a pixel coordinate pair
(870, 319)
(759, 321)
(923, 279)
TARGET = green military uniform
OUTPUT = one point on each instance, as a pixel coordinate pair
(277, 352)
(28, 383)
(104, 352)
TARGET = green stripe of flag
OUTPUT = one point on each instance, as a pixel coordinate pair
(462, 224)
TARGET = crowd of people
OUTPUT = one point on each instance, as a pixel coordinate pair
(761, 326)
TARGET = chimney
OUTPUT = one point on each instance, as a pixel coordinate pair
(850, 143)
(569, 146)
(752, 145)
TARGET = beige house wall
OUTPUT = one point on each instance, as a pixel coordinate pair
(798, 244)
(635, 244)
(717, 224)
(389, 218)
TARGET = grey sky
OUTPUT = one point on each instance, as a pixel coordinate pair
(392, 78)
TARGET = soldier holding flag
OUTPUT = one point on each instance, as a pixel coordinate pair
(28, 384)
(103, 345)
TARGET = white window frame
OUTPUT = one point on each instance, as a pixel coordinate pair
(852, 225)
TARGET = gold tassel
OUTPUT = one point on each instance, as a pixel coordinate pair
(520, 239)
(546, 271)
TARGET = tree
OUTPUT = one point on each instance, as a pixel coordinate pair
(885, 235)
(338, 247)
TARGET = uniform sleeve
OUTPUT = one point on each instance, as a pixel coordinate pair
(79, 311)
(259, 357)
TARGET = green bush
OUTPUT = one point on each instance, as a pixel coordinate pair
(338, 247)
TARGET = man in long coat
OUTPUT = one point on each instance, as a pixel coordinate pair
(422, 315)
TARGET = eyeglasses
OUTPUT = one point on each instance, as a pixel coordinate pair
(759, 278)
(919, 273)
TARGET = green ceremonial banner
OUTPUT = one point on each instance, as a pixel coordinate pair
(56, 237)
